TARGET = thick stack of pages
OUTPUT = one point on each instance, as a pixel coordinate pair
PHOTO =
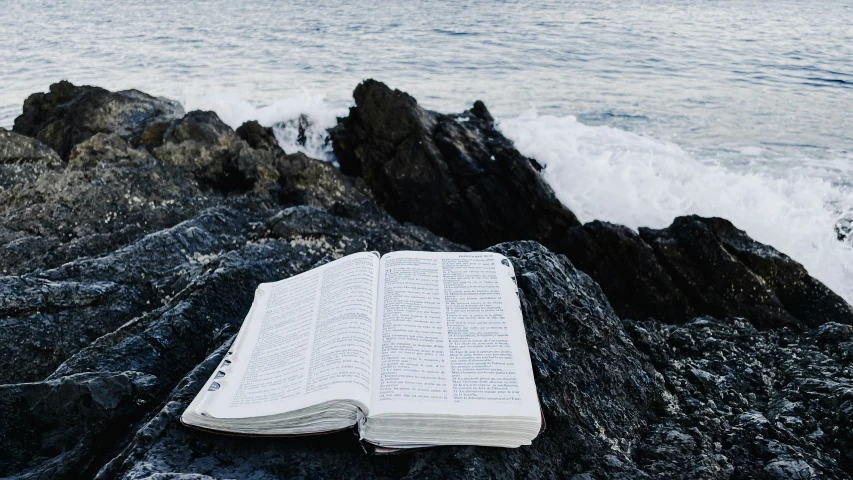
(415, 349)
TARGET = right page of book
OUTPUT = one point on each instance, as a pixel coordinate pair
(450, 337)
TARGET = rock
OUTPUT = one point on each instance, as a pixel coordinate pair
(755, 403)
(107, 195)
(258, 137)
(726, 273)
(700, 266)
(584, 365)
(174, 295)
(64, 425)
(110, 193)
(227, 162)
(305, 181)
(68, 115)
(455, 174)
(629, 272)
(801, 294)
(458, 176)
(687, 404)
(142, 256)
(844, 229)
(23, 159)
(215, 155)
(64, 310)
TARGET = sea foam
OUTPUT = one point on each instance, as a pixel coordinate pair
(613, 175)
(283, 115)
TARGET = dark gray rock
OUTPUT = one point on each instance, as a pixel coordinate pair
(454, 174)
(56, 428)
(258, 136)
(726, 273)
(597, 391)
(68, 115)
(141, 256)
(110, 193)
(215, 155)
(460, 177)
(709, 399)
(629, 272)
(107, 195)
(753, 403)
(700, 266)
(23, 159)
(802, 295)
(173, 295)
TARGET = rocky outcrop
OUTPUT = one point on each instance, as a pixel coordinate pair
(700, 266)
(803, 296)
(626, 267)
(68, 115)
(23, 159)
(750, 403)
(621, 400)
(109, 193)
(141, 259)
(454, 174)
(127, 265)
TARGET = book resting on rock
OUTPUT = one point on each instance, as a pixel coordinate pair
(413, 349)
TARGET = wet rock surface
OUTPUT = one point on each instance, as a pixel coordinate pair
(133, 236)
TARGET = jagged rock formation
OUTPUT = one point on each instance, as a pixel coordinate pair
(455, 174)
(129, 256)
(23, 159)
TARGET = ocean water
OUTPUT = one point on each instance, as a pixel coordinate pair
(641, 110)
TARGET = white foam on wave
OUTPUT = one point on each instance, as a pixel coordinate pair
(609, 174)
(283, 115)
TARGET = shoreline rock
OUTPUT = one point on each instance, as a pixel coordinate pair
(454, 174)
(128, 259)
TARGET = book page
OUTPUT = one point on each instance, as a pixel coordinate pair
(308, 339)
(450, 338)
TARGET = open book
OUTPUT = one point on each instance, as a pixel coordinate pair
(415, 348)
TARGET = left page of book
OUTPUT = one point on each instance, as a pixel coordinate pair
(306, 340)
